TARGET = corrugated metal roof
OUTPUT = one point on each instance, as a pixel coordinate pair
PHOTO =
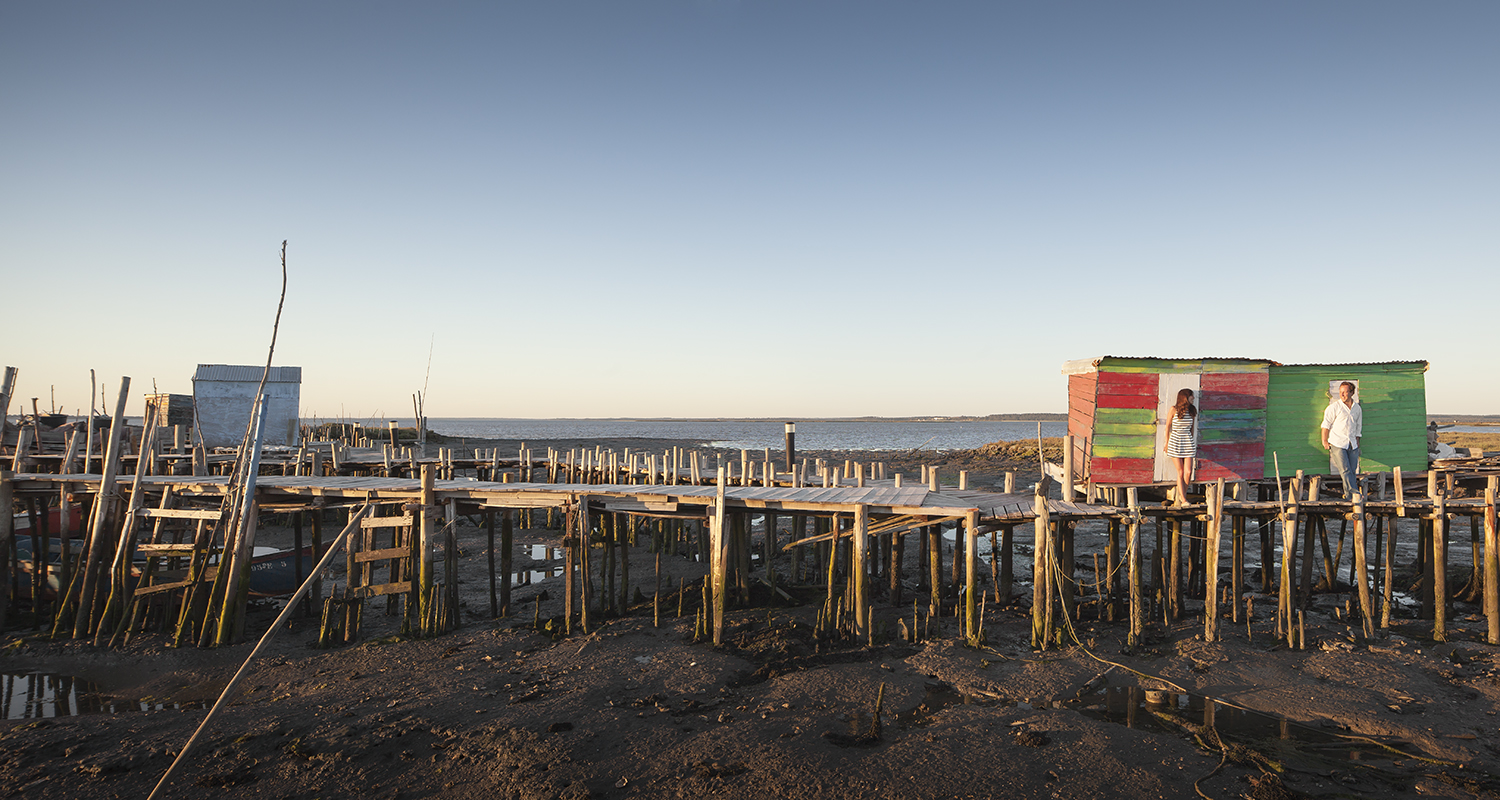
(1195, 358)
(1080, 366)
(1424, 364)
(1084, 365)
(231, 373)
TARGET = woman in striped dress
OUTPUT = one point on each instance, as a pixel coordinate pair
(1182, 440)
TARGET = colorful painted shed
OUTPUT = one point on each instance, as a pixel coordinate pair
(1253, 414)
(1117, 411)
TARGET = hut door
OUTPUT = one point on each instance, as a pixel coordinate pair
(1168, 385)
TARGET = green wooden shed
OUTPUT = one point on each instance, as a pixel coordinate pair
(1393, 396)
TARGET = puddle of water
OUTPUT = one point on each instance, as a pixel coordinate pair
(551, 564)
(39, 695)
(1159, 711)
(533, 576)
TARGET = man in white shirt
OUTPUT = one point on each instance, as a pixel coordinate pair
(1343, 423)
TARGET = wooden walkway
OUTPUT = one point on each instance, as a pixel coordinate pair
(883, 497)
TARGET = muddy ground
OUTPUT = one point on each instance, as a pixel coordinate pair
(499, 708)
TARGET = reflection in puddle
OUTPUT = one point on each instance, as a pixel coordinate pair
(532, 576)
(550, 566)
(1163, 711)
(37, 695)
(542, 552)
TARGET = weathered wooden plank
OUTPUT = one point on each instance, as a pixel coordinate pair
(158, 588)
(1127, 401)
(179, 513)
(1123, 440)
(380, 589)
(164, 549)
(1123, 470)
(385, 554)
(1080, 424)
(1232, 435)
(1223, 400)
(1227, 416)
(403, 521)
(1143, 452)
(1147, 431)
(1126, 416)
(1252, 383)
(1115, 379)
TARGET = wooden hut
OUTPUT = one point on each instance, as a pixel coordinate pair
(225, 398)
(1118, 408)
(1253, 415)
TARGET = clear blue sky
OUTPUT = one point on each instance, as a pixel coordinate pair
(753, 209)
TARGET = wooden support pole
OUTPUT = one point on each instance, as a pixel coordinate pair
(1062, 563)
(1387, 584)
(718, 558)
(1237, 553)
(1133, 553)
(585, 563)
(791, 446)
(1309, 538)
(315, 595)
(935, 569)
(1211, 561)
(860, 572)
(1007, 564)
(8, 387)
(1289, 521)
(570, 563)
(507, 557)
(1361, 568)
(1040, 581)
(7, 525)
(1174, 569)
(489, 533)
(1067, 467)
(1439, 565)
(426, 532)
(1112, 557)
(1491, 563)
(893, 567)
(971, 576)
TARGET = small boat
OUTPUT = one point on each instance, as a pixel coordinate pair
(273, 572)
(22, 522)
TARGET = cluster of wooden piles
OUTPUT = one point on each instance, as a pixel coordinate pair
(1292, 518)
(600, 501)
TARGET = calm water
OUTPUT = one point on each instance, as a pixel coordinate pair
(756, 434)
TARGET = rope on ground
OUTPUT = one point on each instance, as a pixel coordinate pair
(1223, 756)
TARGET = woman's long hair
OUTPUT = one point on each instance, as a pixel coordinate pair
(1184, 407)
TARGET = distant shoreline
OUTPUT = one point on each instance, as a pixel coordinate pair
(1038, 417)
(1465, 419)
